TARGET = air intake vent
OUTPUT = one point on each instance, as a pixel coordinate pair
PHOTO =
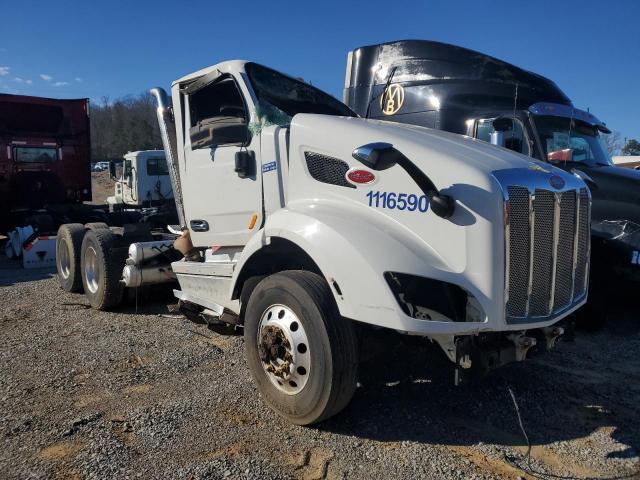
(327, 169)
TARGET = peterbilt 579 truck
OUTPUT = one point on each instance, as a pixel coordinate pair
(452, 88)
(298, 219)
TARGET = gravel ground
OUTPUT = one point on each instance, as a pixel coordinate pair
(86, 394)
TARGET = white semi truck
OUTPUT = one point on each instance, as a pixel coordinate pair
(298, 219)
(143, 180)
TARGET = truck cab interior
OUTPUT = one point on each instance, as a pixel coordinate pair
(218, 115)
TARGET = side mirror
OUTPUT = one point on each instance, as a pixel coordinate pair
(380, 156)
(219, 131)
(377, 156)
(245, 164)
(112, 170)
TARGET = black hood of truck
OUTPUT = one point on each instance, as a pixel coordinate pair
(617, 196)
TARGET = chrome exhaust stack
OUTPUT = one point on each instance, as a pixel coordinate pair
(166, 122)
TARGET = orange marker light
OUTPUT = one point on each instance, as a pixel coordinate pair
(252, 222)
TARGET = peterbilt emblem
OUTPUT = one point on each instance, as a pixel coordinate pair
(361, 177)
(392, 99)
(538, 168)
(557, 182)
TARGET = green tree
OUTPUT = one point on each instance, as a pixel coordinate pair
(632, 147)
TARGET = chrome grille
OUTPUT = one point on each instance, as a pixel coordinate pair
(543, 206)
(584, 235)
(564, 264)
(548, 240)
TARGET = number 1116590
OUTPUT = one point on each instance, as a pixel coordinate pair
(398, 201)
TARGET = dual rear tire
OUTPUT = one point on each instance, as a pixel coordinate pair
(101, 269)
(87, 259)
(68, 248)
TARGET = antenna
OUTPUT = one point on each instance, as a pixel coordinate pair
(384, 92)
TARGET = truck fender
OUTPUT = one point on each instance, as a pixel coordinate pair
(351, 254)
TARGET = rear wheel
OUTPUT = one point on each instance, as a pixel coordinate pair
(102, 269)
(302, 354)
(68, 246)
(95, 225)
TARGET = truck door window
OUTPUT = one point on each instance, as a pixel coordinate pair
(157, 166)
(35, 154)
(514, 139)
(218, 115)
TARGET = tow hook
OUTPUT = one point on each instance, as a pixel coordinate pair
(522, 344)
(551, 334)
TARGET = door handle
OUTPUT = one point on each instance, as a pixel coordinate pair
(199, 225)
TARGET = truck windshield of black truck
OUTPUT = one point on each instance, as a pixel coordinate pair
(281, 97)
(567, 140)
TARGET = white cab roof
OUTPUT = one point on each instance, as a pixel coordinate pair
(229, 66)
(144, 154)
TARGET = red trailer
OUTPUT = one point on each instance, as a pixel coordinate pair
(44, 155)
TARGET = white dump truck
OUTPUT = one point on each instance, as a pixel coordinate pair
(298, 220)
(143, 180)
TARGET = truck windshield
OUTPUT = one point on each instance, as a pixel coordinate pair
(35, 154)
(281, 97)
(567, 140)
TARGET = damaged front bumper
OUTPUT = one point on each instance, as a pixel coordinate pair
(476, 355)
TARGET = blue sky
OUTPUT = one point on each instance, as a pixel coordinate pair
(95, 48)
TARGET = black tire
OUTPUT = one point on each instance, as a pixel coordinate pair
(102, 269)
(95, 225)
(68, 247)
(332, 346)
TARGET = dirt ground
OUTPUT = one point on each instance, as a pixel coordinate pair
(87, 394)
(101, 187)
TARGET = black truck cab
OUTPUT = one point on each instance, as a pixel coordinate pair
(451, 88)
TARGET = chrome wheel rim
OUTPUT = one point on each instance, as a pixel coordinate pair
(91, 270)
(283, 348)
(64, 260)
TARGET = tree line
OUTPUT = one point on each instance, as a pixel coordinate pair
(128, 124)
(123, 125)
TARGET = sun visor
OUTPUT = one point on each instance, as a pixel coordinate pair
(201, 82)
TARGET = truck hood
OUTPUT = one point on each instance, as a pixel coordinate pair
(617, 196)
(435, 151)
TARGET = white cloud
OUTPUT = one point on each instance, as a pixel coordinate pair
(4, 71)
(28, 81)
(78, 79)
(60, 84)
(45, 77)
(18, 80)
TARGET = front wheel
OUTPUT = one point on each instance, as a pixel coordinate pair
(302, 354)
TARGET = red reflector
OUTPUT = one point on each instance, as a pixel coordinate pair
(360, 176)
